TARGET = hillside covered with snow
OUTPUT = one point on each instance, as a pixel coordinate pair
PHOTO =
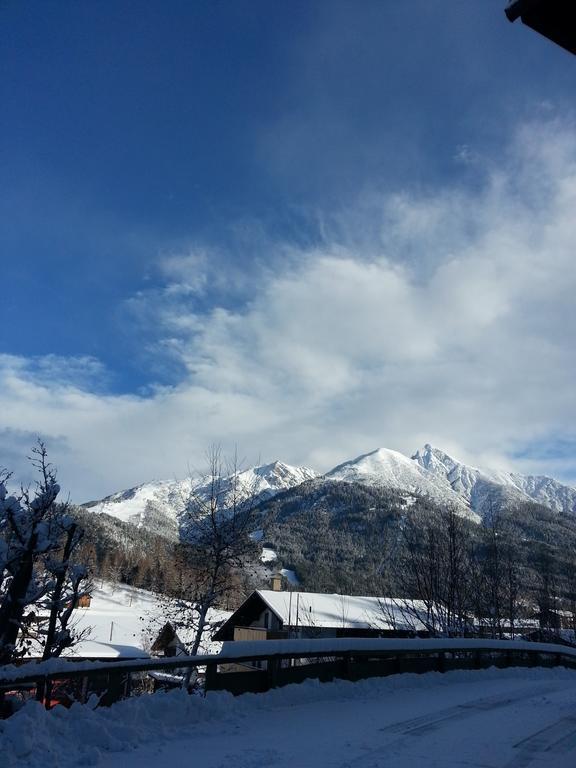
(159, 505)
(430, 472)
(481, 487)
(123, 622)
(391, 469)
(433, 473)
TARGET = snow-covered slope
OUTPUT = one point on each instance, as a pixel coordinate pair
(391, 469)
(430, 472)
(123, 621)
(154, 505)
(158, 505)
(262, 482)
(434, 473)
(483, 488)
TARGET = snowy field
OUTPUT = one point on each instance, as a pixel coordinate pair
(123, 621)
(483, 719)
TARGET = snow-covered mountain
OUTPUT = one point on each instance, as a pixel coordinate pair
(429, 472)
(391, 469)
(155, 505)
(158, 505)
(434, 473)
(262, 482)
(483, 487)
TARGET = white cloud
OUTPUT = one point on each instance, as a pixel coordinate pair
(453, 322)
(186, 273)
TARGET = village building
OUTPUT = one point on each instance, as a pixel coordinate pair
(168, 643)
(275, 614)
(176, 637)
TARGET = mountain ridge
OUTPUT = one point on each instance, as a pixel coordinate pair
(158, 505)
(478, 486)
(429, 472)
(391, 469)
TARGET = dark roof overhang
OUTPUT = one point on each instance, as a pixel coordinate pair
(243, 616)
(554, 19)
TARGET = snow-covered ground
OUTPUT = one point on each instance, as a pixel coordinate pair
(268, 555)
(123, 621)
(290, 576)
(484, 719)
(120, 621)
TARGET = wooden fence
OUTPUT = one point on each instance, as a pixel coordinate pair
(271, 663)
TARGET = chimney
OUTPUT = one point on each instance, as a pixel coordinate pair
(277, 582)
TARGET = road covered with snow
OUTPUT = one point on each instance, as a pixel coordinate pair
(485, 719)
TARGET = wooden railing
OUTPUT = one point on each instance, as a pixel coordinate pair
(292, 661)
(354, 659)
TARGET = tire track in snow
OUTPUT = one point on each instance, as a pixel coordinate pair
(420, 726)
(556, 739)
(468, 709)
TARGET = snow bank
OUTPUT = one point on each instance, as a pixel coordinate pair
(83, 735)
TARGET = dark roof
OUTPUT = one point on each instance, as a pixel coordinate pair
(165, 637)
(243, 616)
(555, 19)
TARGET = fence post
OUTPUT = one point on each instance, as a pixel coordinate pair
(272, 668)
(114, 689)
(345, 666)
(211, 676)
(441, 662)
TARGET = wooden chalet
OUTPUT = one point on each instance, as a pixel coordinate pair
(273, 614)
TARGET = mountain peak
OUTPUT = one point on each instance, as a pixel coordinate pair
(375, 462)
(435, 458)
(392, 469)
(280, 470)
(158, 505)
(480, 487)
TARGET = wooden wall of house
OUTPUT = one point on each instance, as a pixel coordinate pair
(250, 633)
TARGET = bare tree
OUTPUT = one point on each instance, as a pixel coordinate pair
(433, 572)
(570, 588)
(490, 573)
(547, 594)
(512, 580)
(215, 545)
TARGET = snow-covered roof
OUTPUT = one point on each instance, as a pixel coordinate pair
(314, 609)
(215, 618)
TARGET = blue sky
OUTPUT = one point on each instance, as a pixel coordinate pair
(289, 225)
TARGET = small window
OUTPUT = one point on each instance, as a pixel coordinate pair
(266, 619)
